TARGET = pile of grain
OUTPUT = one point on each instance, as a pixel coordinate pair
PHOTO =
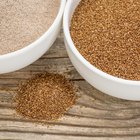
(107, 34)
(24, 21)
(45, 97)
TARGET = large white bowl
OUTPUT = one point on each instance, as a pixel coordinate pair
(117, 87)
(23, 57)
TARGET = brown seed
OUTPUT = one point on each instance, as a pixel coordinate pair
(107, 34)
(45, 97)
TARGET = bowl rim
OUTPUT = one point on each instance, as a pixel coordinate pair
(82, 59)
(42, 37)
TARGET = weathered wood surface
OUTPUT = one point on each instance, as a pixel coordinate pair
(96, 116)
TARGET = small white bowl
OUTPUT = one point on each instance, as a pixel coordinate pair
(16, 60)
(117, 87)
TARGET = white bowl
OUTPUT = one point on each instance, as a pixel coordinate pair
(117, 87)
(23, 57)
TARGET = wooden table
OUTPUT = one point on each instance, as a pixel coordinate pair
(96, 116)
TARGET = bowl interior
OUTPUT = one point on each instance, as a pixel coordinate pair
(73, 5)
(42, 37)
(69, 11)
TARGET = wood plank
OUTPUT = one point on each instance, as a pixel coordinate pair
(67, 129)
(68, 119)
(32, 136)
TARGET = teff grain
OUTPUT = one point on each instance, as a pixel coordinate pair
(107, 34)
(45, 97)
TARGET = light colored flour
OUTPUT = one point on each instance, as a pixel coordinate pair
(24, 21)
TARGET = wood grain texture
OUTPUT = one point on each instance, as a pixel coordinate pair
(95, 116)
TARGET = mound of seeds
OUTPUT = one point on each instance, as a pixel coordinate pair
(45, 97)
(107, 34)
